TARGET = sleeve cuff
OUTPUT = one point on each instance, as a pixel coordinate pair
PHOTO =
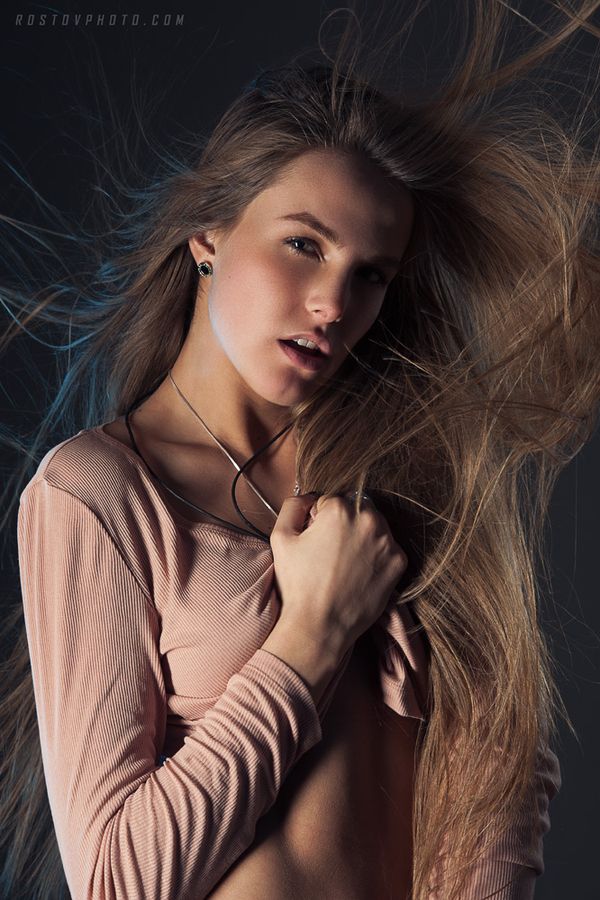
(274, 669)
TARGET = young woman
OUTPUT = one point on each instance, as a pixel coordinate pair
(278, 590)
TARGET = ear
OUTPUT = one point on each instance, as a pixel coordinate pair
(201, 246)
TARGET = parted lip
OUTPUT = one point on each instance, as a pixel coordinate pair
(322, 343)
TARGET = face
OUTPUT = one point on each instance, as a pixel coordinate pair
(275, 275)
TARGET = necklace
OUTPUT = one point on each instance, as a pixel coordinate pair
(226, 451)
(240, 469)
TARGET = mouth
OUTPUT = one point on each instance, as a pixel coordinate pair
(303, 357)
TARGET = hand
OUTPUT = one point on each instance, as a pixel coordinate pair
(335, 573)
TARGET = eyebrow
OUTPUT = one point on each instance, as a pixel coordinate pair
(307, 218)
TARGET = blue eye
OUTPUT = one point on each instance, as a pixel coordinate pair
(297, 240)
(299, 252)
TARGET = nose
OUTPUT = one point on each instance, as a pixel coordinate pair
(328, 302)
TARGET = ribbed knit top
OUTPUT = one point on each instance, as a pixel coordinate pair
(166, 730)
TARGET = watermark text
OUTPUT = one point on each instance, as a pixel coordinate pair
(102, 20)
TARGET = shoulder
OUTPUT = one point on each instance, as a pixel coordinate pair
(90, 480)
(110, 480)
(92, 467)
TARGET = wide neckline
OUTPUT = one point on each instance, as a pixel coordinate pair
(174, 513)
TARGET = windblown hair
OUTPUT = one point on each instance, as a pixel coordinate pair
(479, 379)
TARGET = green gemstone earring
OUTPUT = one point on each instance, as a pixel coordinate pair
(205, 269)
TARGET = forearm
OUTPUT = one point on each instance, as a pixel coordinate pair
(315, 661)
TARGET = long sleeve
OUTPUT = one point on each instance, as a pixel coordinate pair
(517, 858)
(509, 868)
(128, 829)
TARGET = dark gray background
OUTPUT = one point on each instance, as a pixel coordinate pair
(48, 74)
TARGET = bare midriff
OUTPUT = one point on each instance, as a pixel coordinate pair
(340, 828)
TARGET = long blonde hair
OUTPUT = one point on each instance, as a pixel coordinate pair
(480, 380)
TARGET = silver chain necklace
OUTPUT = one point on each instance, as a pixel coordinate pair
(256, 531)
(226, 451)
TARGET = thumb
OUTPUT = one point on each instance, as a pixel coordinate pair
(293, 513)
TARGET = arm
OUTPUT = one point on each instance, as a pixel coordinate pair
(126, 828)
(510, 867)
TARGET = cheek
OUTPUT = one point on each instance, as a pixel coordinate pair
(267, 298)
(363, 320)
(252, 301)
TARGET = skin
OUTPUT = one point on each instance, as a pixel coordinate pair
(230, 367)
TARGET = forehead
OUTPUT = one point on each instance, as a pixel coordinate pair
(347, 192)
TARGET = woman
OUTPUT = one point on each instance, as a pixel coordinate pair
(322, 677)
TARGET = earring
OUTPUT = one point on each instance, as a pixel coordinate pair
(205, 269)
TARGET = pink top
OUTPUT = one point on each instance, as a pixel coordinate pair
(144, 632)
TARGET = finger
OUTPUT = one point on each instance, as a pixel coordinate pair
(293, 512)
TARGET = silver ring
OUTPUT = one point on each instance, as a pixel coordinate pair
(363, 496)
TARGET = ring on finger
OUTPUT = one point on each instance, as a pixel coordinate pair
(363, 496)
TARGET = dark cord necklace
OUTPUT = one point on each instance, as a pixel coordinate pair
(254, 529)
